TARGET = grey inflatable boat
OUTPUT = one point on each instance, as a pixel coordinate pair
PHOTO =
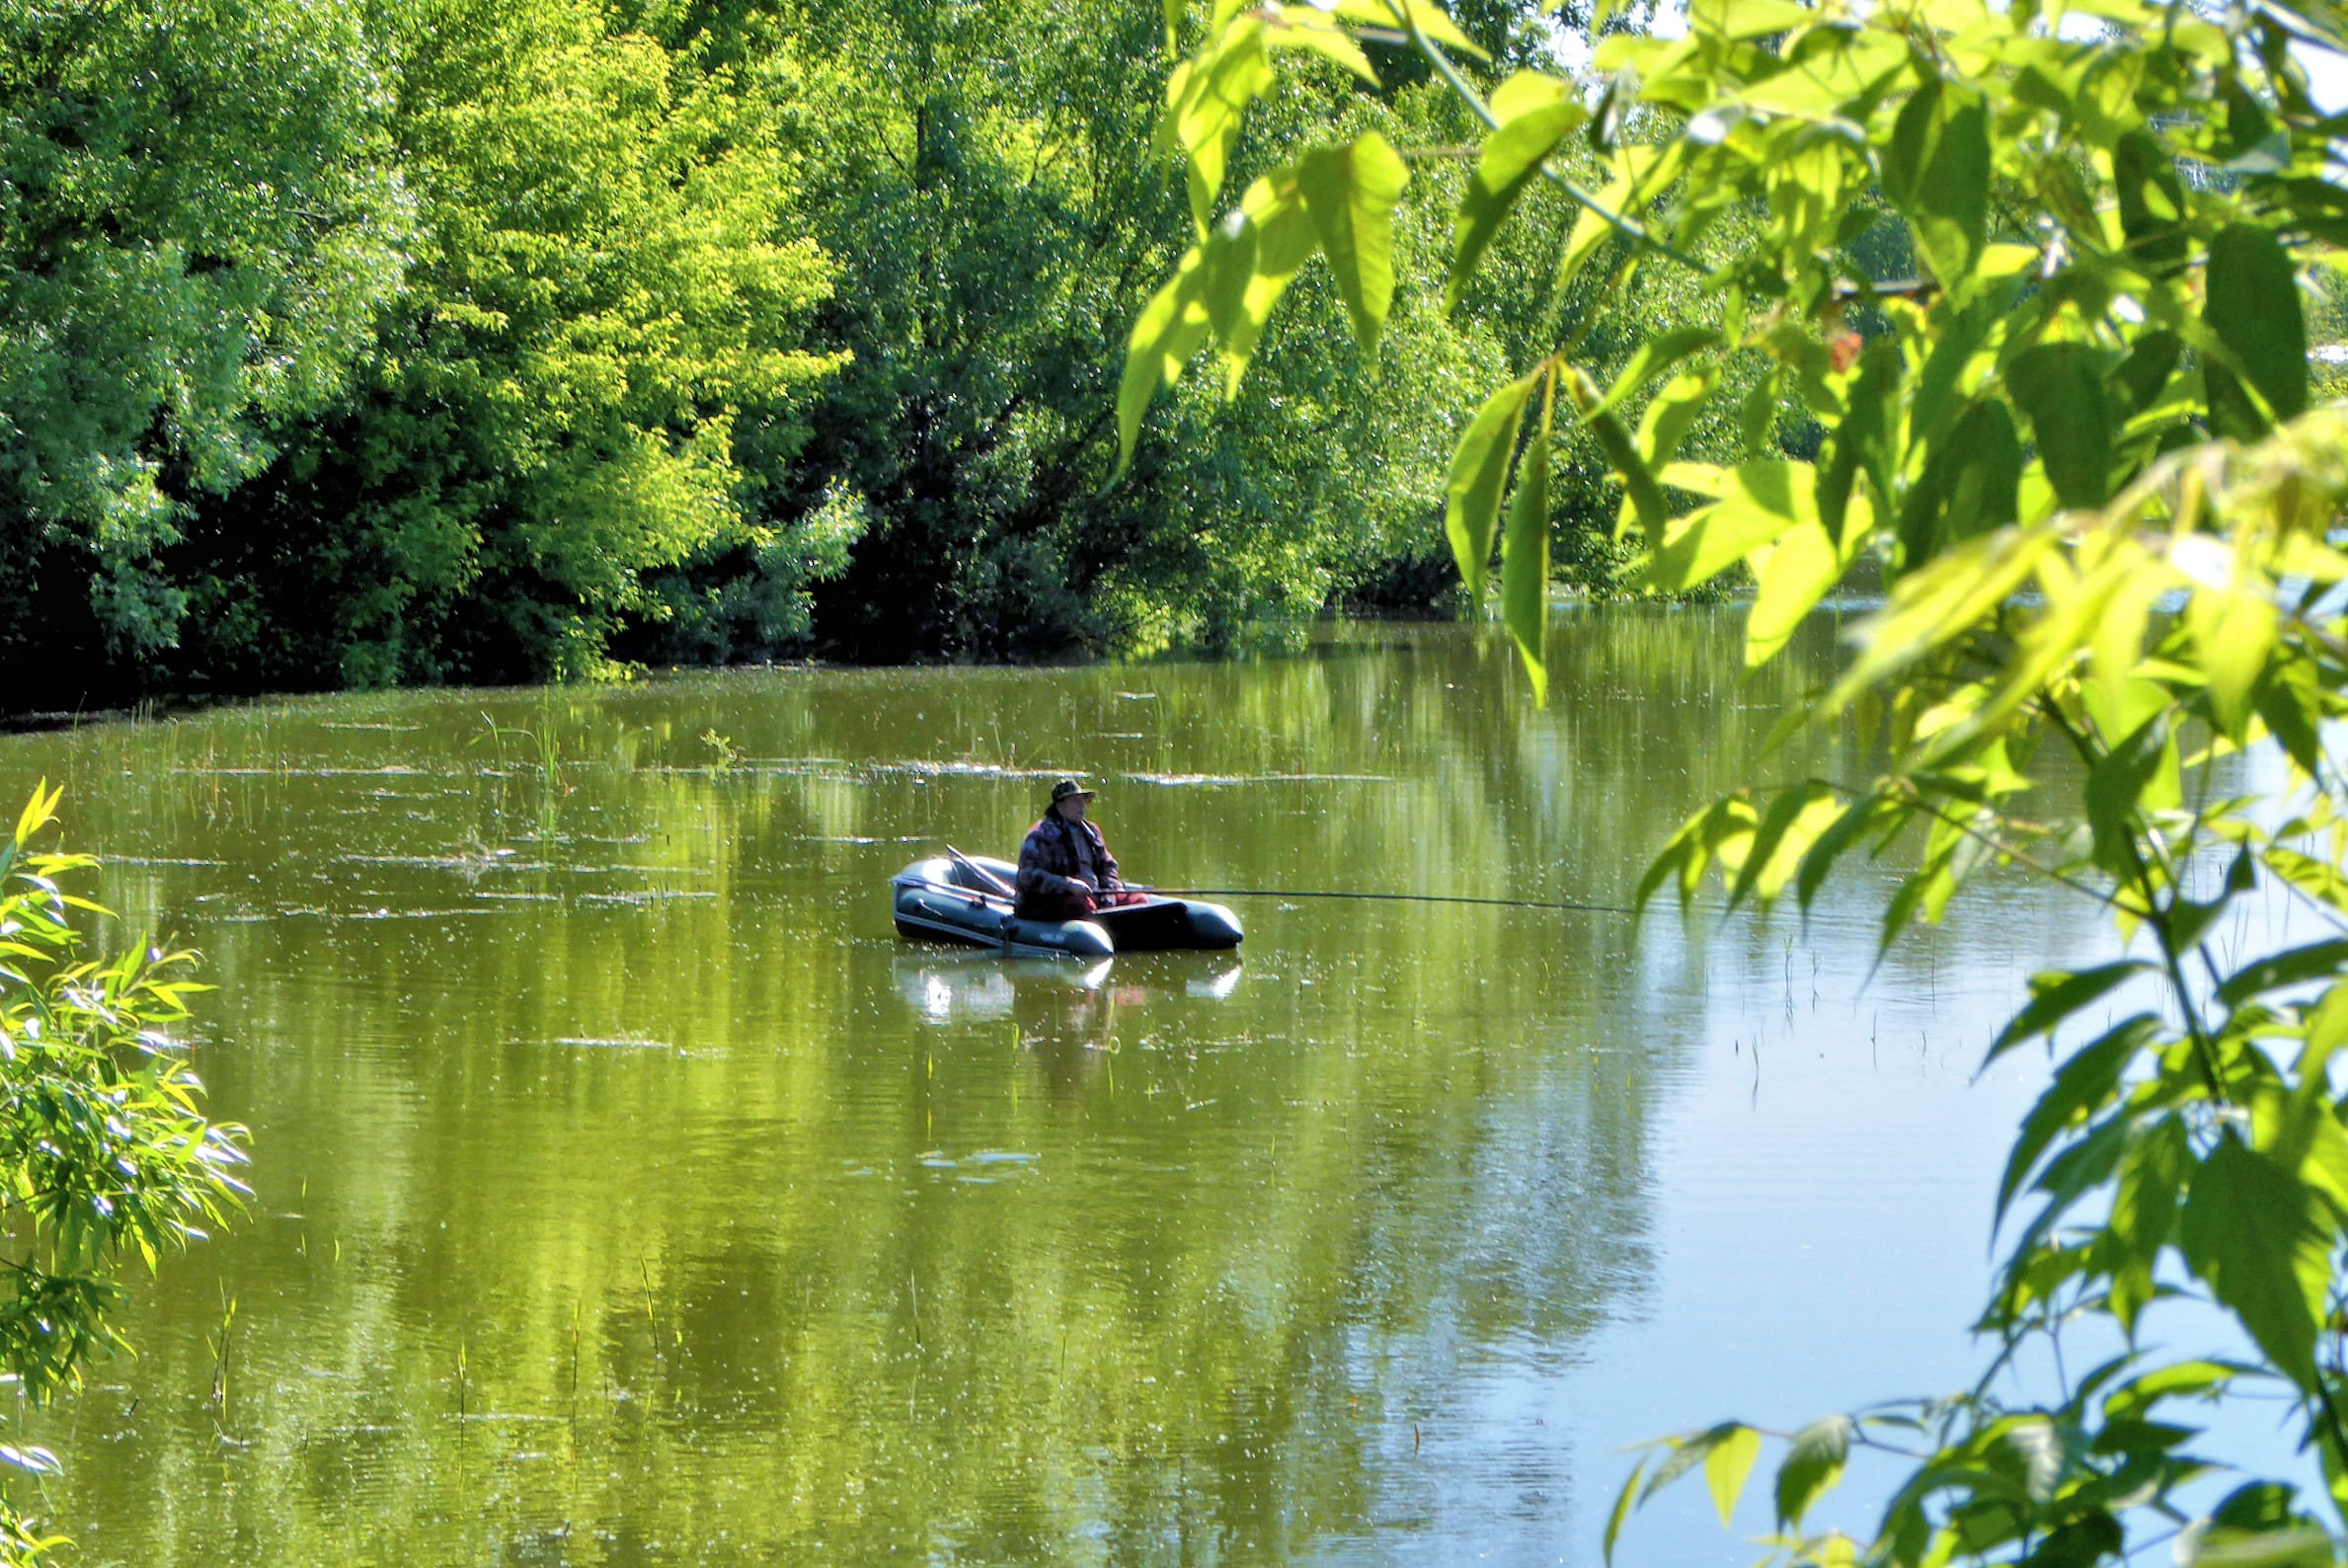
(968, 900)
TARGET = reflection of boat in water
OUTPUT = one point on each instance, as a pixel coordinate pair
(945, 898)
(974, 988)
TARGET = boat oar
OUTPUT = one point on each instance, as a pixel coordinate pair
(1393, 897)
(979, 871)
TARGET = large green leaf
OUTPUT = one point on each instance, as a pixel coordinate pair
(1350, 194)
(2060, 386)
(1205, 100)
(1525, 554)
(1170, 329)
(1790, 576)
(2255, 1234)
(2057, 997)
(2082, 1085)
(1728, 1464)
(2252, 304)
(1747, 19)
(1623, 453)
(1812, 1463)
(1479, 477)
(1938, 171)
(1537, 114)
(1653, 357)
(2233, 626)
(1250, 261)
(1762, 500)
(1971, 484)
(2139, 762)
(2144, 1213)
(2152, 199)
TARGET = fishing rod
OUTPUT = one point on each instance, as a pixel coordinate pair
(1392, 898)
(995, 883)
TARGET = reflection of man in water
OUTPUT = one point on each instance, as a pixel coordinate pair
(1066, 869)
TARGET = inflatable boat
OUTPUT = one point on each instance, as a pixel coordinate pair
(967, 899)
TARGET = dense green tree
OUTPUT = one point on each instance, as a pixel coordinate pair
(602, 290)
(198, 221)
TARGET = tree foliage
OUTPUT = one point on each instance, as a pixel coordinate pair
(2020, 308)
(105, 1151)
(197, 221)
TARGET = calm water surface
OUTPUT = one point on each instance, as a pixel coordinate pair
(627, 1192)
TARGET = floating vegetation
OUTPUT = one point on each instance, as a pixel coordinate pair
(646, 896)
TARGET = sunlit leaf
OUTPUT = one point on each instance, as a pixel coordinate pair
(1728, 1464)
(1638, 481)
(1537, 114)
(1350, 194)
(1479, 477)
(1762, 500)
(1747, 19)
(1525, 554)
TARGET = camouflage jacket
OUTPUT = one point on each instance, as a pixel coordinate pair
(1059, 858)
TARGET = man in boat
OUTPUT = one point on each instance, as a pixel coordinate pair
(1066, 869)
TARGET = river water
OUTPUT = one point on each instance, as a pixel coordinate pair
(627, 1193)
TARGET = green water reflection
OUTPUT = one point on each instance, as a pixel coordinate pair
(628, 1194)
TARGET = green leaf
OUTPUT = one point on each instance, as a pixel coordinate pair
(2056, 997)
(1762, 500)
(1622, 1511)
(2144, 1213)
(1479, 476)
(1512, 155)
(1304, 28)
(1971, 485)
(2315, 961)
(2286, 698)
(1654, 357)
(2152, 200)
(1350, 194)
(1525, 554)
(2233, 628)
(1429, 19)
(1170, 329)
(1747, 19)
(2081, 1085)
(1857, 443)
(1790, 577)
(2252, 304)
(1638, 480)
(2253, 1233)
(1812, 1463)
(1845, 831)
(1205, 99)
(1250, 260)
(1727, 1466)
(2117, 781)
(1938, 171)
(1792, 823)
(2060, 386)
